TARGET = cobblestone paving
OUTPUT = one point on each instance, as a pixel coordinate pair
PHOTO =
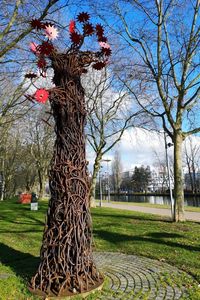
(133, 277)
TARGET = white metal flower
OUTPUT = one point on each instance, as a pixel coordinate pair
(51, 32)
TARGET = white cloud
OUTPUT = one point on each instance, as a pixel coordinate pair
(138, 147)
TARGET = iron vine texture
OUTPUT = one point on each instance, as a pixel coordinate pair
(66, 263)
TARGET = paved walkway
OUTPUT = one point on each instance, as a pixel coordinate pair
(133, 277)
(192, 216)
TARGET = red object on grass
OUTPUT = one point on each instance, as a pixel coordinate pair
(25, 198)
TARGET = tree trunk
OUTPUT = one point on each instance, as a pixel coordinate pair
(96, 168)
(194, 178)
(178, 178)
(67, 266)
(41, 186)
(191, 180)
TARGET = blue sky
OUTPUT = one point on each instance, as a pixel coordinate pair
(136, 149)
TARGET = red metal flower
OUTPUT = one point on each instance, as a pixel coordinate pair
(75, 37)
(83, 17)
(41, 63)
(84, 71)
(99, 65)
(45, 24)
(106, 51)
(102, 39)
(88, 29)
(72, 25)
(30, 75)
(99, 30)
(36, 24)
(41, 95)
(46, 48)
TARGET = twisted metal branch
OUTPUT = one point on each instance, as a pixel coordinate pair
(67, 265)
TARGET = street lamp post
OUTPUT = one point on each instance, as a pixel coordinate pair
(100, 187)
(169, 180)
(108, 183)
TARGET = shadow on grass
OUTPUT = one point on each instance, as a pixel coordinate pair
(161, 238)
(29, 221)
(160, 235)
(28, 224)
(22, 215)
(23, 264)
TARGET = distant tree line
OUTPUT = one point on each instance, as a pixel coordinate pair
(143, 178)
(139, 181)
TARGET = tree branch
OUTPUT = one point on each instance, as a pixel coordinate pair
(27, 31)
(193, 131)
(192, 98)
(12, 19)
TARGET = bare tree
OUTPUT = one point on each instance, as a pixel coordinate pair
(163, 36)
(16, 32)
(39, 139)
(108, 118)
(26, 148)
(4, 168)
(12, 100)
(117, 171)
(161, 170)
(192, 158)
(15, 22)
(13, 156)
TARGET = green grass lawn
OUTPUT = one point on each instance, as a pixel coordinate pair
(114, 230)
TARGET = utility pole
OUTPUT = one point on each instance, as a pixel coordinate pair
(100, 187)
(169, 180)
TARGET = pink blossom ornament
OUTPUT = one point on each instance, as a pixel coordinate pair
(34, 48)
(104, 45)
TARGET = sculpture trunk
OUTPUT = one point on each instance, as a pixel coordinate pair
(66, 265)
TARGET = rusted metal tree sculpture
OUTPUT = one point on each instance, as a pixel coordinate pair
(66, 265)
